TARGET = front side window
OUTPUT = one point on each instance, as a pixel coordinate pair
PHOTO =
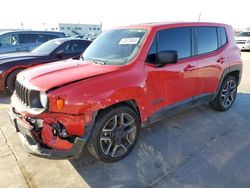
(72, 47)
(206, 39)
(115, 47)
(178, 39)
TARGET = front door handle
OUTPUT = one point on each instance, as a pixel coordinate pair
(189, 68)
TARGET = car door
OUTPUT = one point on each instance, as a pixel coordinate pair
(212, 58)
(172, 83)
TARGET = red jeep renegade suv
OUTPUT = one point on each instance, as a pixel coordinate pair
(127, 78)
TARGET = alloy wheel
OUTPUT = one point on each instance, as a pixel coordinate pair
(118, 135)
(228, 93)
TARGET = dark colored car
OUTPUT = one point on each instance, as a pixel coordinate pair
(53, 50)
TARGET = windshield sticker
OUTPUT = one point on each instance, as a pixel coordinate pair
(129, 40)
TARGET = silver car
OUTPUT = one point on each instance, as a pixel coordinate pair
(25, 41)
(243, 40)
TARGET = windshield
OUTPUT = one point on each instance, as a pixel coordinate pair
(47, 47)
(115, 47)
(244, 34)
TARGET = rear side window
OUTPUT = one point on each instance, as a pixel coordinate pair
(223, 35)
(28, 38)
(207, 40)
(175, 39)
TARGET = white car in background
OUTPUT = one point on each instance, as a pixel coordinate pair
(243, 40)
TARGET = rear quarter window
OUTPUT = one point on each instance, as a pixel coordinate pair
(207, 40)
(223, 35)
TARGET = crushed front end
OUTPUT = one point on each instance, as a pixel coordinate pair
(43, 133)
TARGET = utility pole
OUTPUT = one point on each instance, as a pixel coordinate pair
(199, 18)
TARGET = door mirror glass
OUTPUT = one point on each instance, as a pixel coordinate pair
(167, 57)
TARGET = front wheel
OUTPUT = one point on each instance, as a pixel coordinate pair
(11, 80)
(226, 95)
(114, 133)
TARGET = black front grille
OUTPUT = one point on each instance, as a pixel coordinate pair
(23, 93)
(240, 41)
(28, 97)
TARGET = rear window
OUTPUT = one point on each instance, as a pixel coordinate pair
(207, 40)
(244, 34)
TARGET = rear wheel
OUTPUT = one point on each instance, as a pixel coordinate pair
(226, 95)
(114, 133)
(11, 80)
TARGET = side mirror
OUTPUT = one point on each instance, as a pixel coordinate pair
(167, 57)
(1, 44)
(60, 54)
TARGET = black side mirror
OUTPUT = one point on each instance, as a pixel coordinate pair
(60, 54)
(167, 57)
(1, 44)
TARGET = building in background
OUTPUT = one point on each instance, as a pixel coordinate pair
(89, 31)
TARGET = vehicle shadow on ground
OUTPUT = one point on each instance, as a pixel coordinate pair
(4, 99)
(197, 148)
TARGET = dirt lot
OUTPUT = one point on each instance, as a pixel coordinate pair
(197, 148)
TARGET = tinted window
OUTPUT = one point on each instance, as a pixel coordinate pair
(206, 39)
(175, 39)
(223, 35)
(73, 47)
(244, 34)
(28, 38)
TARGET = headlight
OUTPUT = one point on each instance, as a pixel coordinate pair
(43, 99)
(248, 41)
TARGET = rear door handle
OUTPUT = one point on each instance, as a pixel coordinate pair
(221, 60)
(18, 49)
(189, 68)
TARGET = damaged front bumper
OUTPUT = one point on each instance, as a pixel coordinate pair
(30, 143)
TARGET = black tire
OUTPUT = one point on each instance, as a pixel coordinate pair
(10, 81)
(226, 95)
(112, 138)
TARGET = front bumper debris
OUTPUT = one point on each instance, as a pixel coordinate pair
(30, 143)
